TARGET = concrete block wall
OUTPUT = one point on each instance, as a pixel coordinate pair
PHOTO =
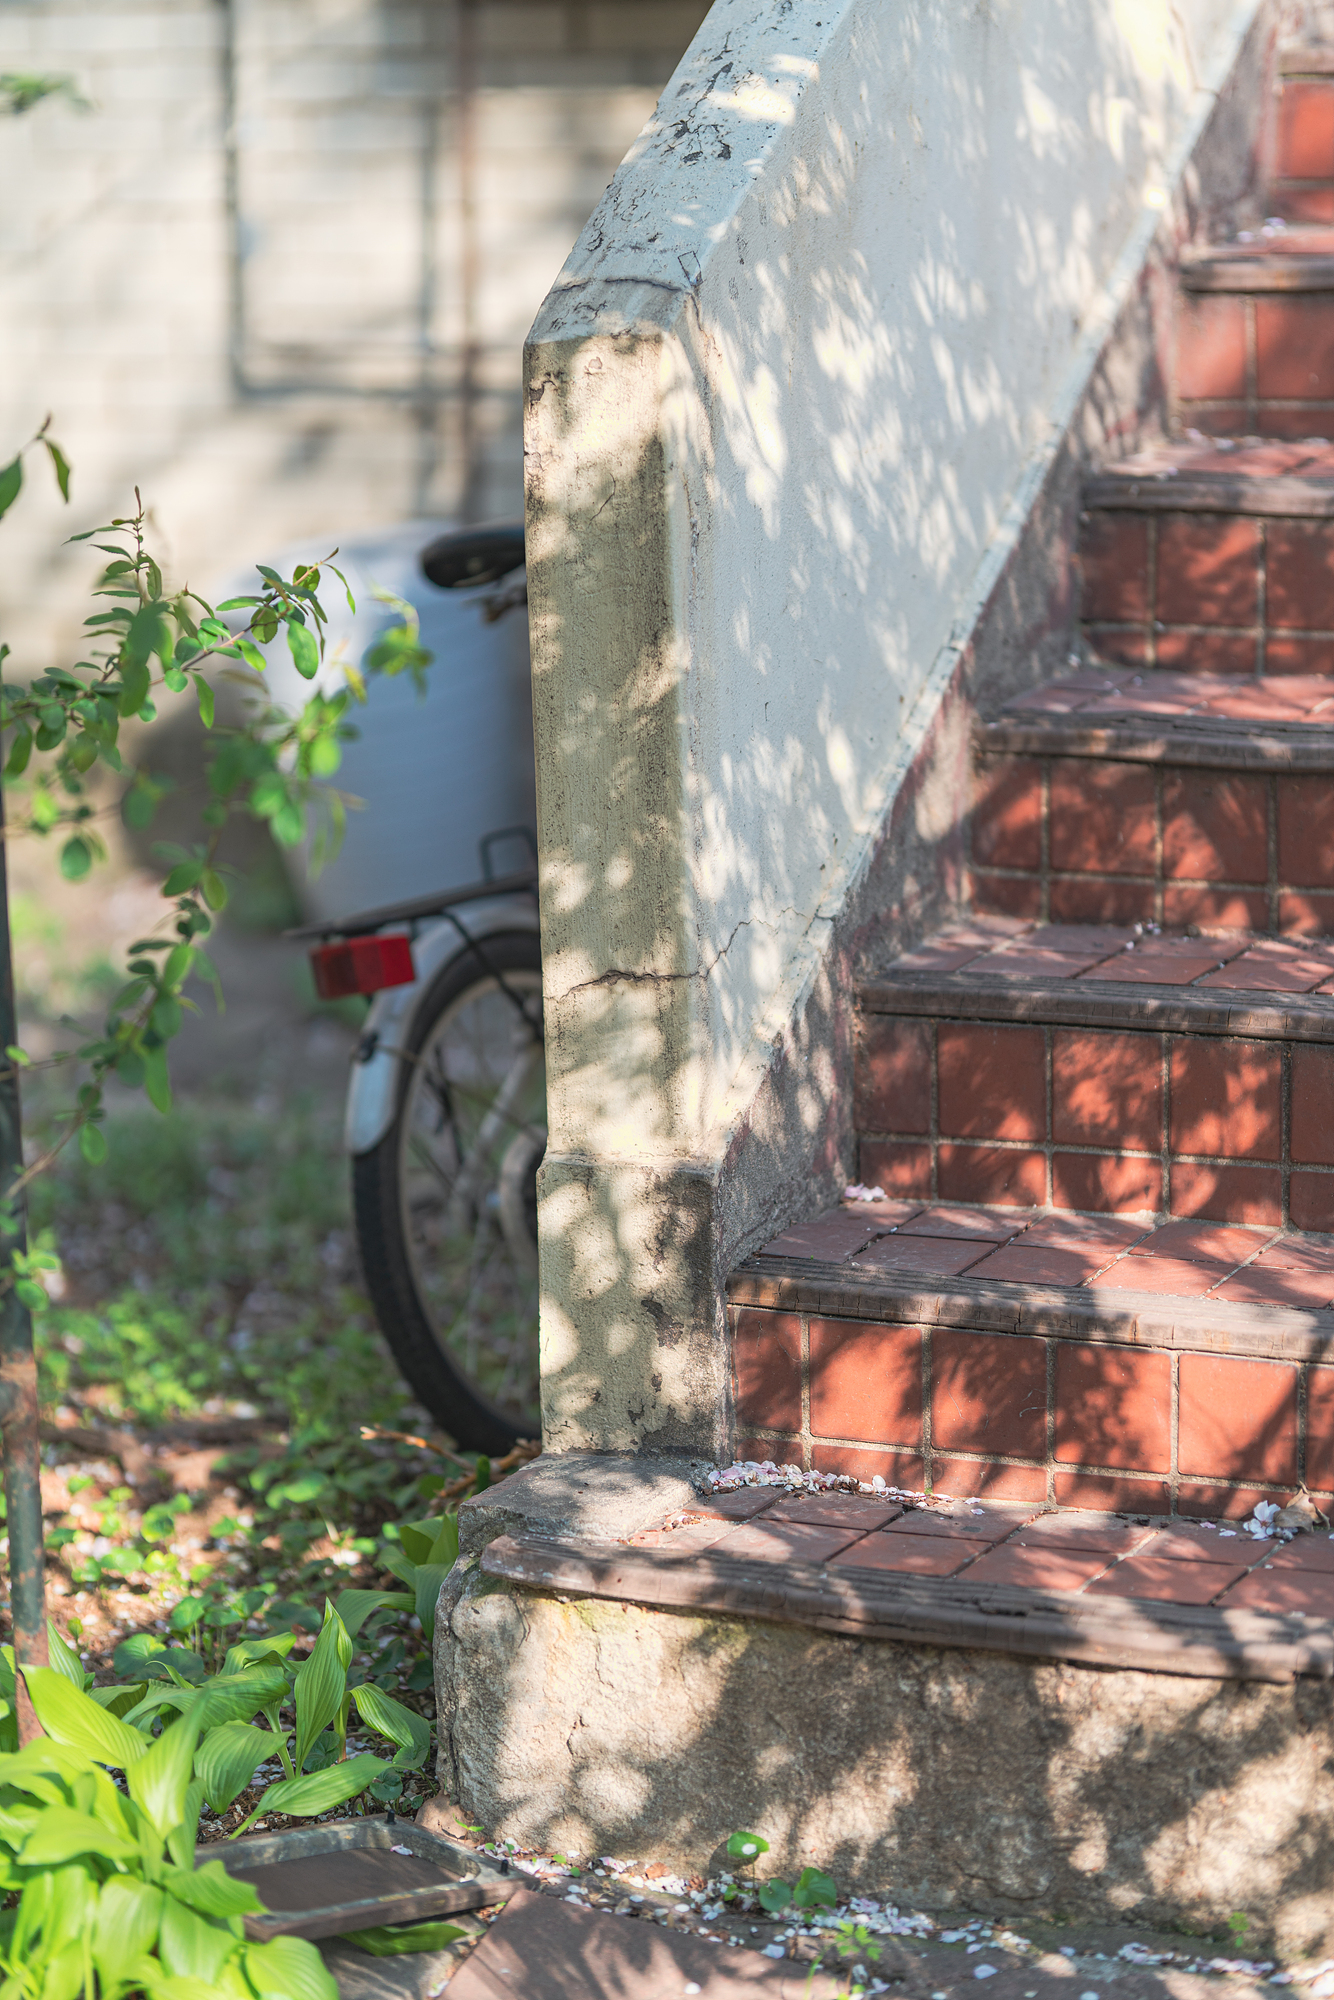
(117, 286)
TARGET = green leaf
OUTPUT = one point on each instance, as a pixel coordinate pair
(304, 648)
(92, 1144)
(390, 1940)
(131, 1654)
(67, 1715)
(228, 1759)
(211, 1891)
(744, 1846)
(160, 1779)
(238, 1697)
(62, 1833)
(193, 1946)
(390, 1718)
(134, 684)
(205, 694)
(321, 1683)
(182, 878)
(118, 1700)
(356, 1606)
(59, 465)
(317, 1791)
(214, 889)
(76, 858)
(251, 655)
(430, 1576)
(774, 1896)
(288, 1967)
(62, 1656)
(815, 1890)
(11, 479)
(129, 1915)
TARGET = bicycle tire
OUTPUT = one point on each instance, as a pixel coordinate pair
(395, 1250)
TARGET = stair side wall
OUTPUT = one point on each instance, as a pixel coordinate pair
(938, 1778)
(809, 411)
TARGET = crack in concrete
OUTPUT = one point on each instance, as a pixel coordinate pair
(617, 975)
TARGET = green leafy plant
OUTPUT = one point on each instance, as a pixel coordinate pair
(64, 727)
(105, 1897)
(426, 1552)
(853, 1940)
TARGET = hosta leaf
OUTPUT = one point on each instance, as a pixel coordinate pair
(63, 1658)
(290, 1967)
(211, 1890)
(321, 1683)
(228, 1759)
(159, 1781)
(390, 1940)
(129, 1914)
(67, 1715)
(318, 1791)
(355, 1606)
(194, 1946)
(430, 1576)
(61, 1834)
(237, 1697)
(401, 1725)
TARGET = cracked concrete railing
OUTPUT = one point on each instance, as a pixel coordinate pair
(789, 406)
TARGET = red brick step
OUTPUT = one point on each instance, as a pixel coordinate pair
(1100, 1069)
(1124, 797)
(1213, 556)
(1084, 1361)
(1255, 335)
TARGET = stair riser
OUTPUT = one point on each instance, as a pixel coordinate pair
(1209, 593)
(1114, 1427)
(1303, 188)
(1098, 1120)
(1083, 840)
(1255, 366)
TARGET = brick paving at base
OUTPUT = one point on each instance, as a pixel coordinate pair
(1073, 1553)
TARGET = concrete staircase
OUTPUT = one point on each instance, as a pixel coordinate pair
(1083, 1304)
(1102, 1108)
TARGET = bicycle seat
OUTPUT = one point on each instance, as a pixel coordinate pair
(468, 556)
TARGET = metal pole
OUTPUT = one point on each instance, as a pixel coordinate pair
(18, 1365)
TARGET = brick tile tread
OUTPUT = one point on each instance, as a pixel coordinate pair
(1236, 1265)
(1292, 705)
(1142, 1319)
(1301, 60)
(1197, 968)
(1155, 1633)
(1299, 260)
(1220, 476)
(1283, 722)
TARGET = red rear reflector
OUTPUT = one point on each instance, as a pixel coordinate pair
(362, 965)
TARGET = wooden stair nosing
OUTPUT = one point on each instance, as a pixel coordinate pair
(1093, 1003)
(1159, 1638)
(1145, 1319)
(1202, 742)
(1209, 493)
(1249, 271)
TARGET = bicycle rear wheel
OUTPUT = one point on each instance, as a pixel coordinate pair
(446, 1204)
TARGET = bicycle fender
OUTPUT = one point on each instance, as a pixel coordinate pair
(373, 1090)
